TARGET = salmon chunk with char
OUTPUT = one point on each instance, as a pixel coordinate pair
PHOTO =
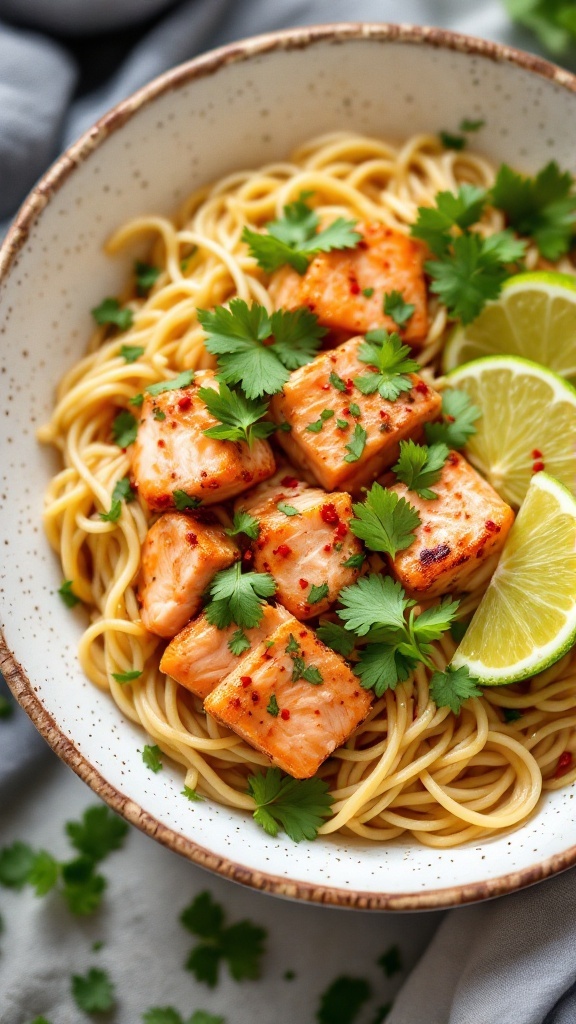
(180, 555)
(304, 543)
(465, 525)
(346, 288)
(199, 657)
(172, 453)
(293, 699)
(327, 413)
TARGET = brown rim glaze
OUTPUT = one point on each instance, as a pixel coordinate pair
(22, 687)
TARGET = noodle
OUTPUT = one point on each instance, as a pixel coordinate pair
(410, 767)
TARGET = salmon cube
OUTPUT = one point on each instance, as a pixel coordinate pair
(199, 657)
(466, 524)
(281, 486)
(292, 698)
(344, 438)
(171, 452)
(180, 555)
(304, 542)
(345, 288)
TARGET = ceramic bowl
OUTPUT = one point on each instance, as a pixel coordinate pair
(240, 106)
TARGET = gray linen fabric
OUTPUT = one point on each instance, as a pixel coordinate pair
(511, 961)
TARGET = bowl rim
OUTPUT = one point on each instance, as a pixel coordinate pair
(21, 686)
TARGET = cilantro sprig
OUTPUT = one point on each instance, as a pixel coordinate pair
(391, 360)
(452, 687)
(295, 239)
(458, 419)
(553, 21)
(375, 609)
(396, 308)
(384, 521)
(124, 428)
(240, 418)
(297, 806)
(93, 992)
(238, 597)
(342, 1001)
(243, 522)
(258, 350)
(168, 1015)
(111, 312)
(122, 492)
(240, 945)
(419, 466)
(542, 207)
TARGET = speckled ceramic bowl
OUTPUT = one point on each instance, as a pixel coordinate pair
(237, 107)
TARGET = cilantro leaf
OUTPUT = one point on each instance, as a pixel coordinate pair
(419, 466)
(472, 271)
(336, 637)
(124, 428)
(297, 335)
(272, 706)
(182, 500)
(553, 21)
(310, 673)
(384, 521)
(202, 1017)
(372, 600)
(162, 1015)
(82, 888)
(122, 492)
(241, 945)
(434, 225)
(294, 238)
(43, 873)
(131, 352)
(98, 833)
(391, 961)
(382, 666)
(434, 621)
(237, 414)
(458, 418)
(111, 312)
(390, 358)
(451, 141)
(191, 795)
(357, 444)
(238, 643)
(295, 805)
(146, 276)
(16, 862)
(93, 992)
(452, 687)
(355, 561)
(511, 714)
(238, 598)
(468, 125)
(67, 594)
(318, 593)
(397, 308)
(203, 962)
(182, 380)
(343, 1000)
(152, 757)
(203, 917)
(244, 523)
(127, 677)
(542, 207)
(6, 707)
(288, 510)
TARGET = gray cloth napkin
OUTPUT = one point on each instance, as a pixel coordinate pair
(510, 961)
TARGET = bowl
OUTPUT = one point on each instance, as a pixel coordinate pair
(240, 106)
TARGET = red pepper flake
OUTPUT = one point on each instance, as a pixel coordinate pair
(422, 388)
(255, 696)
(248, 556)
(340, 531)
(349, 384)
(384, 415)
(235, 702)
(283, 550)
(536, 454)
(537, 467)
(564, 764)
(354, 287)
(285, 714)
(303, 584)
(491, 527)
(325, 387)
(327, 547)
(184, 403)
(452, 458)
(192, 539)
(329, 513)
(245, 680)
(161, 444)
(289, 481)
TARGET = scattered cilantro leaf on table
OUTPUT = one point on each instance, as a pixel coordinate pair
(82, 888)
(381, 1013)
(336, 638)
(168, 1015)
(6, 707)
(419, 466)
(44, 873)
(295, 239)
(40, 1020)
(146, 275)
(553, 21)
(152, 757)
(452, 687)
(122, 492)
(238, 597)
(395, 307)
(240, 418)
(67, 594)
(343, 1000)
(391, 961)
(240, 945)
(93, 992)
(384, 521)
(542, 207)
(16, 862)
(124, 428)
(295, 805)
(111, 312)
(98, 833)
(257, 350)
(458, 418)
(244, 523)
(392, 362)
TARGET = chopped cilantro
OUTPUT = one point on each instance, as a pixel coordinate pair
(391, 360)
(6, 707)
(343, 1000)
(342, 424)
(318, 593)
(182, 380)
(357, 444)
(451, 141)
(240, 945)
(288, 510)
(453, 212)
(152, 757)
(294, 239)
(240, 418)
(511, 714)
(419, 466)
(122, 492)
(295, 805)
(316, 427)
(124, 428)
(310, 673)
(168, 1015)
(16, 863)
(466, 125)
(452, 687)
(458, 418)
(355, 410)
(384, 521)
(146, 276)
(368, 292)
(67, 594)
(240, 338)
(44, 873)
(93, 992)
(336, 637)
(191, 795)
(292, 647)
(131, 352)
(355, 561)
(158, 413)
(136, 400)
(458, 629)
(244, 523)
(391, 961)
(336, 381)
(238, 598)
(111, 312)
(553, 21)
(182, 500)
(542, 207)
(82, 887)
(272, 707)
(395, 307)
(238, 643)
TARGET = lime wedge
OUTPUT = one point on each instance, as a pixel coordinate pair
(528, 423)
(534, 317)
(527, 618)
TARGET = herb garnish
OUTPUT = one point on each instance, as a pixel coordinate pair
(396, 308)
(294, 238)
(384, 521)
(131, 352)
(93, 992)
(146, 276)
(542, 207)
(318, 593)
(182, 380)
(272, 707)
(357, 445)
(238, 597)
(111, 312)
(67, 594)
(240, 945)
(239, 643)
(152, 757)
(244, 523)
(127, 677)
(240, 418)
(458, 418)
(295, 805)
(420, 465)
(122, 492)
(391, 359)
(183, 500)
(453, 686)
(124, 428)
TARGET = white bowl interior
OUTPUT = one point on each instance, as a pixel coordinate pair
(249, 112)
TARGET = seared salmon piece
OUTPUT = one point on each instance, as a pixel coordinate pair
(292, 698)
(281, 486)
(171, 452)
(323, 407)
(304, 542)
(345, 288)
(466, 524)
(180, 555)
(199, 656)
